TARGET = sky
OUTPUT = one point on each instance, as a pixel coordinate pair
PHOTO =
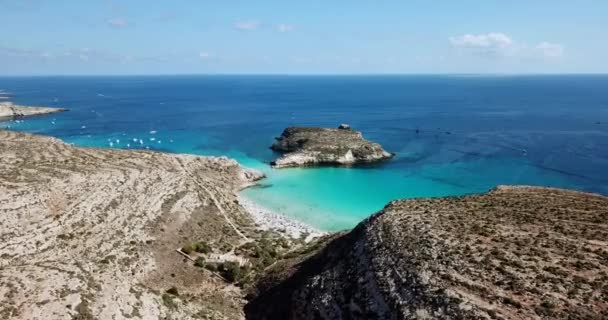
(105, 37)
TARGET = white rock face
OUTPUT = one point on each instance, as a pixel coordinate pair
(347, 158)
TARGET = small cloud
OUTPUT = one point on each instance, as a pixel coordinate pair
(550, 50)
(204, 55)
(490, 40)
(490, 44)
(118, 22)
(285, 28)
(500, 45)
(247, 25)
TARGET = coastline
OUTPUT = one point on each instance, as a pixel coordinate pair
(267, 219)
(10, 111)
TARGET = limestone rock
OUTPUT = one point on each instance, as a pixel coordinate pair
(311, 146)
(9, 111)
(514, 253)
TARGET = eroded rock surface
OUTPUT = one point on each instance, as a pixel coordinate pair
(91, 233)
(310, 146)
(9, 111)
(514, 253)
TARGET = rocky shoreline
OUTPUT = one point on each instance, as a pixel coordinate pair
(313, 146)
(11, 111)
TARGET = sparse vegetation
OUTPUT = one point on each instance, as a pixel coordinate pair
(188, 249)
(200, 262)
(232, 272)
(517, 249)
(202, 247)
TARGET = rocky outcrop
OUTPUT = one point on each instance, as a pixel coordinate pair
(310, 146)
(10, 111)
(514, 253)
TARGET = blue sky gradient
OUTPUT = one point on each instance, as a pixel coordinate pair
(61, 37)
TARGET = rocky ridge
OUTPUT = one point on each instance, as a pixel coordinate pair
(311, 146)
(90, 233)
(514, 253)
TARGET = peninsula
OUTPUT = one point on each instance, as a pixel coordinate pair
(312, 146)
(11, 111)
(90, 233)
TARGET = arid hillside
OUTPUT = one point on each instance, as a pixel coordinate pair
(514, 253)
(92, 233)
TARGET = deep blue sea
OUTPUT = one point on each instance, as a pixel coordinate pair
(474, 132)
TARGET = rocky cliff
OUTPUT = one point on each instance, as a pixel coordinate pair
(309, 146)
(514, 253)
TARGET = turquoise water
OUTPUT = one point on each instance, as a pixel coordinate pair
(452, 135)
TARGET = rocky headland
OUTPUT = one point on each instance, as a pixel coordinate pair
(89, 233)
(11, 111)
(514, 253)
(311, 146)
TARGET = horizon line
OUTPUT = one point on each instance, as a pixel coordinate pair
(308, 74)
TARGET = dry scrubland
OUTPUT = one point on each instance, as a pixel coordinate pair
(515, 253)
(92, 233)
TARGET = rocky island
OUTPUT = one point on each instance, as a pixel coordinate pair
(514, 253)
(312, 146)
(10, 111)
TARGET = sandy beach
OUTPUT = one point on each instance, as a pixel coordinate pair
(267, 219)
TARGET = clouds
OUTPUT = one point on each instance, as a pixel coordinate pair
(491, 41)
(251, 25)
(118, 22)
(81, 55)
(550, 50)
(500, 45)
(203, 55)
(247, 25)
(285, 28)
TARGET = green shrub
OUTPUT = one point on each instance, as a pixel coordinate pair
(232, 272)
(200, 262)
(202, 247)
(188, 249)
